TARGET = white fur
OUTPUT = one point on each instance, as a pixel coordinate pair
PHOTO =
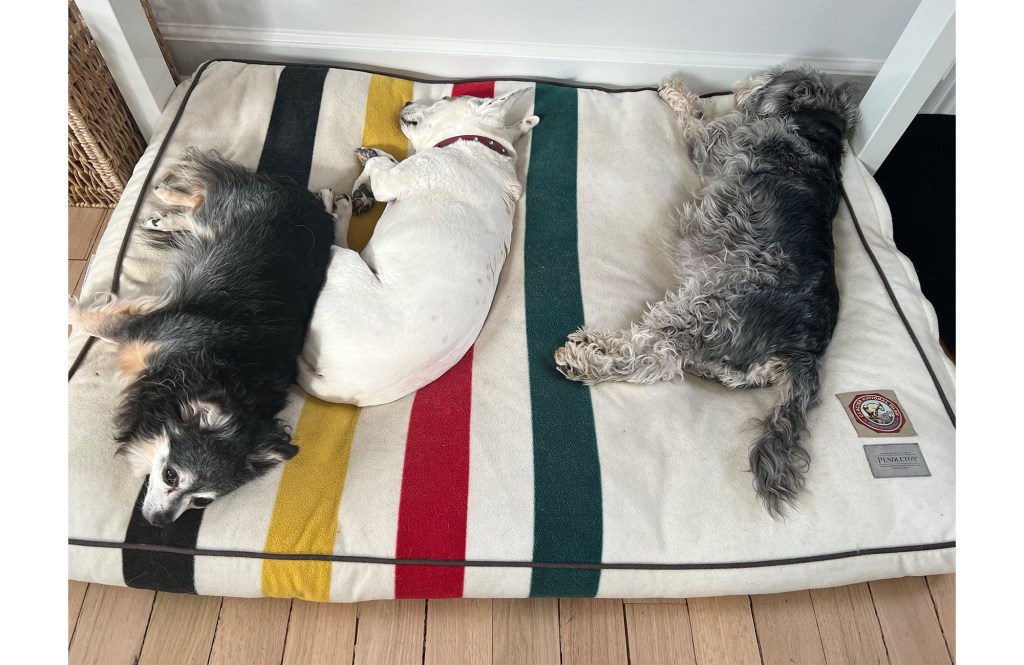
(148, 457)
(396, 316)
(209, 416)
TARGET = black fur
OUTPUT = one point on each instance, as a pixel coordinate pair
(230, 329)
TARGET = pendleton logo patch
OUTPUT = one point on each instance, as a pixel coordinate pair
(876, 414)
(896, 460)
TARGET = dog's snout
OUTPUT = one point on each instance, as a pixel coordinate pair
(159, 520)
(407, 105)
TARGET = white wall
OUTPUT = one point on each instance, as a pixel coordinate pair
(628, 43)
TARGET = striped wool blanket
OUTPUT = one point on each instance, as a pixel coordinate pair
(502, 479)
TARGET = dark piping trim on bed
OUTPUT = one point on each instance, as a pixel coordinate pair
(899, 310)
(342, 558)
(115, 284)
(478, 563)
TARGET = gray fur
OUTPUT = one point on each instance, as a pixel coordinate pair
(756, 301)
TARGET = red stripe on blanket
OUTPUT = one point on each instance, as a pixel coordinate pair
(435, 478)
(477, 89)
(435, 486)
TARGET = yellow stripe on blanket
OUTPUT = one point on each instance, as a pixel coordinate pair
(305, 517)
(384, 101)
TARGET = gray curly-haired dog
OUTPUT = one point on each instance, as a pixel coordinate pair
(756, 301)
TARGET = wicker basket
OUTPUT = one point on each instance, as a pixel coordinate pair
(103, 142)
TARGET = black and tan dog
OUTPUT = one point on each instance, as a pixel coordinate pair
(207, 364)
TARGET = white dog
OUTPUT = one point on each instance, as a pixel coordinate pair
(398, 315)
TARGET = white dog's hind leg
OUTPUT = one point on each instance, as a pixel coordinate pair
(306, 369)
(350, 310)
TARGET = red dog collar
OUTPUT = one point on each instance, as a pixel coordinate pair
(490, 143)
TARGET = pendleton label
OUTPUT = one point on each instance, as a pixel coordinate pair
(896, 460)
(876, 414)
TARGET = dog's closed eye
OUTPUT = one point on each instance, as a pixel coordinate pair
(201, 501)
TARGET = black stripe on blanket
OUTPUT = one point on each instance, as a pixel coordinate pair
(160, 571)
(287, 151)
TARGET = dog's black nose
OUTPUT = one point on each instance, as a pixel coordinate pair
(407, 104)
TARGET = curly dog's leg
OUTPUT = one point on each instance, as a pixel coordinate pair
(688, 107)
(639, 355)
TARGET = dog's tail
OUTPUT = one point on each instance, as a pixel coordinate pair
(777, 459)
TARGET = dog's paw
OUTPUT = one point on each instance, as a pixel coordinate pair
(167, 194)
(564, 364)
(680, 98)
(671, 84)
(362, 200)
(365, 154)
(326, 196)
(568, 358)
(579, 337)
(583, 357)
(153, 222)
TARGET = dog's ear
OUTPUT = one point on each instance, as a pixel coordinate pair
(143, 453)
(271, 449)
(742, 90)
(207, 416)
(498, 108)
(523, 127)
(846, 93)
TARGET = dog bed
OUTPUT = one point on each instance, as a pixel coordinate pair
(503, 479)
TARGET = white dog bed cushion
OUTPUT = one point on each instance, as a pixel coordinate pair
(502, 479)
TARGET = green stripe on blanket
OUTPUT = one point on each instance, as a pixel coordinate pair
(567, 473)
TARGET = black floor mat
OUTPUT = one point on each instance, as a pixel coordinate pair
(918, 179)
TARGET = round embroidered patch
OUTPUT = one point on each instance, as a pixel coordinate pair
(878, 413)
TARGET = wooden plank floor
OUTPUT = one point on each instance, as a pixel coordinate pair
(911, 620)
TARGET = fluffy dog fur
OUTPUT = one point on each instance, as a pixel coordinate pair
(756, 301)
(207, 364)
(399, 314)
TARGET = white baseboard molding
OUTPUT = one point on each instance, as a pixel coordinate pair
(191, 45)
